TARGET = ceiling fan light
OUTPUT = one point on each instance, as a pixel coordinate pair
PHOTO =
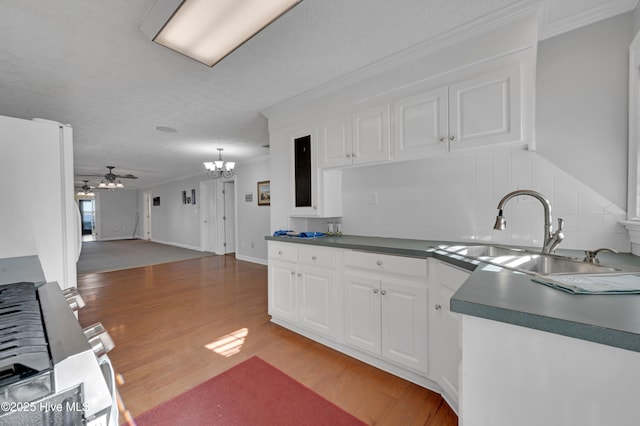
(119, 184)
(102, 184)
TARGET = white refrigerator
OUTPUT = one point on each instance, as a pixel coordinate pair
(38, 213)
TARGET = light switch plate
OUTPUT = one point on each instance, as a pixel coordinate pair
(373, 198)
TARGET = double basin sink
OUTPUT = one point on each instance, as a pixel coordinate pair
(527, 261)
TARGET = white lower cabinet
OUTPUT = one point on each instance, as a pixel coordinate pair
(447, 345)
(302, 286)
(385, 311)
(390, 311)
(316, 288)
(282, 290)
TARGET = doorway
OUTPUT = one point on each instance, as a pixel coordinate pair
(146, 216)
(229, 217)
(217, 216)
(88, 218)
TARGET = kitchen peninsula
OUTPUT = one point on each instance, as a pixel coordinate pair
(524, 345)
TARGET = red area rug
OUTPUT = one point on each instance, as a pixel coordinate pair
(251, 393)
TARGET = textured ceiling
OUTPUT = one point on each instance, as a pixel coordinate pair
(86, 63)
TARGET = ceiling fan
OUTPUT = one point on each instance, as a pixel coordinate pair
(112, 180)
(85, 189)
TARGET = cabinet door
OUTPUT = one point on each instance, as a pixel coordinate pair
(485, 110)
(371, 135)
(449, 346)
(336, 143)
(362, 313)
(305, 172)
(405, 323)
(316, 292)
(421, 124)
(282, 290)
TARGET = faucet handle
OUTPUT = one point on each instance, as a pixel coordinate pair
(560, 224)
(591, 256)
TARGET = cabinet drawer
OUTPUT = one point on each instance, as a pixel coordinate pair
(317, 257)
(387, 263)
(451, 277)
(280, 251)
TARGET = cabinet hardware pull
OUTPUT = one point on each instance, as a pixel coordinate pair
(313, 258)
(451, 138)
(438, 306)
(383, 292)
(442, 139)
(379, 263)
(292, 273)
(348, 155)
(280, 252)
(299, 275)
(375, 290)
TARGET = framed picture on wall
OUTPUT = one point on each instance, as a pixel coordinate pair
(193, 196)
(184, 197)
(264, 193)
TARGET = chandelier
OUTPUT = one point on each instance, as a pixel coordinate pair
(85, 190)
(219, 168)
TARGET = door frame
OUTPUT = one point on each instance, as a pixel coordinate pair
(211, 213)
(146, 215)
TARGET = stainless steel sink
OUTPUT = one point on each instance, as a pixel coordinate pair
(527, 261)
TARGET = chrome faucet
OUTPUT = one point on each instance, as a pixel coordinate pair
(551, 239)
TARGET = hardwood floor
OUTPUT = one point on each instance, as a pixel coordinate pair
(178, 324)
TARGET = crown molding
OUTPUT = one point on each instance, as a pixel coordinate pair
(560, 26)
(450, 38)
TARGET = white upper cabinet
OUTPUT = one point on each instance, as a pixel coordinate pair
(371, 135)
(360, 138)
(314, 192)
(336, 142)
(480, 111)
(485, 110)
(421, 124)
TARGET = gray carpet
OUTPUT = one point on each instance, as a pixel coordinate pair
(102, 256)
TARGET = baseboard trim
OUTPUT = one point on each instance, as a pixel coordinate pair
(251, 259)
(185, 246)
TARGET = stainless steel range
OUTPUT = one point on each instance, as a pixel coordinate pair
(52, 372)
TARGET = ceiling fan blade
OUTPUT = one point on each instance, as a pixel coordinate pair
(127, 176)
(92, 174)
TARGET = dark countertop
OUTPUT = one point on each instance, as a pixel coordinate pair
(21, 269)
(511, 297)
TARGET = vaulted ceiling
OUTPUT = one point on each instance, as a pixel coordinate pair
(87, 63)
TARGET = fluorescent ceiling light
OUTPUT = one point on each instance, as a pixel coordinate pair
(207, 31)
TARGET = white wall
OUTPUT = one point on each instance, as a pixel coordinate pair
(455, 198)
(173, 222)
(582, 104)
(178, 224)
(580, 166)
(253, 220)
(115, 214)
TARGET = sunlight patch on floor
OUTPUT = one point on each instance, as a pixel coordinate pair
(229, 344)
